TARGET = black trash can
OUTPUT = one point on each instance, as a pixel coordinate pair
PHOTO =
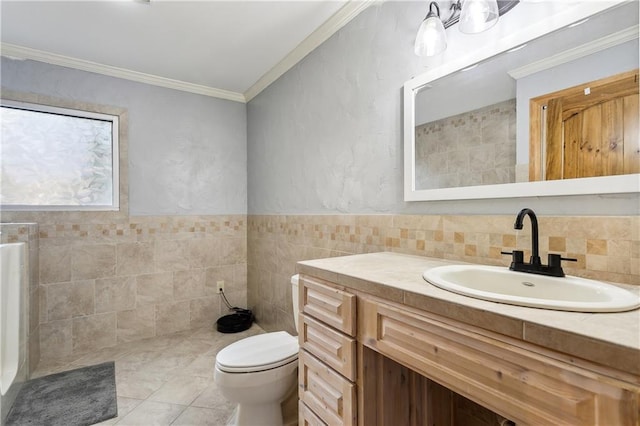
(236, 322)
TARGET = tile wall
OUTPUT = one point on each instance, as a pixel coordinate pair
(474, 148)
(104, 283)
(607, 248)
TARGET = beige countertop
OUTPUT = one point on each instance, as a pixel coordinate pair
(611, 339)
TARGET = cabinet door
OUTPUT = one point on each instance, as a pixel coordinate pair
(329, 395)
(512, 380)
(330, 305)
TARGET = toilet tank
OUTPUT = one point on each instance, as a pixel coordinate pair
(294, 298)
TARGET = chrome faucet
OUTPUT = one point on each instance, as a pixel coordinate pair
(535, 265)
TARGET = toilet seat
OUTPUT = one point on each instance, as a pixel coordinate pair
(258, 353)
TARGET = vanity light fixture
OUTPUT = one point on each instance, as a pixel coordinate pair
(474, 16)
(477, 16)
(431, 38)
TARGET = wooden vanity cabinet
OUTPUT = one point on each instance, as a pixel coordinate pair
(327, 361)
(394, 365)
(522, 382)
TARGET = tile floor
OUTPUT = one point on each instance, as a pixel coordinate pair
(166, 380)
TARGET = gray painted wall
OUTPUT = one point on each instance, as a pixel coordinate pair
(327, 137)
(187, 152)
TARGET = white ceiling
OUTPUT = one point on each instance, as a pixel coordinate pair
(229, 49)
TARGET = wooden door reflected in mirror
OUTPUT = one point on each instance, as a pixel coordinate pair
(587, 130)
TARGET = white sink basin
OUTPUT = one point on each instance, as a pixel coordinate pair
(499, 284)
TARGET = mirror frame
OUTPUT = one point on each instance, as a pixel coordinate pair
(457, 61)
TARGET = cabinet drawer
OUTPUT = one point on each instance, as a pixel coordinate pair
(330, 305)
(333, 348)
(512, 380)
(306, 417)
(325, 392)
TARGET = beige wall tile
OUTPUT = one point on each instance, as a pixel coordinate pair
(56, 339)
(189, 284)
(204, 252)
(233, 250)
(213, 275)
(619, 248)
(619, 265)
(34, 349)
(576, 245)
(115, 294)
(154, 288)
(94, 332)
(93, 261)
(509, 240)
(55, 264)
(597, 246)
(135, 258)
(136, 324)
(69, 300)
(172, 317)
(172, 255)
(204, 312)
(557, 244)
(119, 253)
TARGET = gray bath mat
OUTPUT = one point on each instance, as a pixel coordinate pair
(80, 397)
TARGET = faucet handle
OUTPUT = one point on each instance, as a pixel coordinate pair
(517, 256)
(556, 259)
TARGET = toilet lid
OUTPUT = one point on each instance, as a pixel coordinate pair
(258, 353)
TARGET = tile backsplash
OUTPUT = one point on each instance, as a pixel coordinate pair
(607, 248)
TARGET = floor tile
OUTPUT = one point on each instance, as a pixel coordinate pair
(98, 357)
(202, 366)
(166, 380)
(138, 385)
(211, 397)
(152, 413)
(192, 416)
(125, 406)
(180, 390)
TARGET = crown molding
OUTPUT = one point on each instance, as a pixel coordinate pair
(315, 39)
(20, 52)
(339, 19)
(603, 43)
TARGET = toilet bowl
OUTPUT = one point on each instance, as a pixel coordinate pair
(258, 372)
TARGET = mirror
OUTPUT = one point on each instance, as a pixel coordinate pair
(466, 122)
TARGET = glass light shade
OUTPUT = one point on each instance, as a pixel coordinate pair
(478, 15)
(431, 38)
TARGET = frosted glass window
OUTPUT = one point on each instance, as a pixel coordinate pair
(57, 159)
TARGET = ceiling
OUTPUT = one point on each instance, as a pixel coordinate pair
(228, 49)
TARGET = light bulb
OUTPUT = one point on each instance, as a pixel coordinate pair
(431, 38)
(478, 15)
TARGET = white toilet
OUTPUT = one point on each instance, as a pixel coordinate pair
(258, 372)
